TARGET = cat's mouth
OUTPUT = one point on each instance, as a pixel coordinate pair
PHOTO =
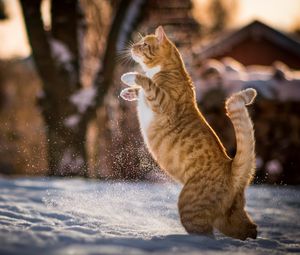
(139, 59)
(136, 57)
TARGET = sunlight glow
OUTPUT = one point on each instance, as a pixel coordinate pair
(282, 14)
(278, 13)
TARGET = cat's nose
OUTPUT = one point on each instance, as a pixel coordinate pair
(134, 47)
(132, 52)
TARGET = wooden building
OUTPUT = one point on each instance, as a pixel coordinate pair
(255, 44)
(267, 60)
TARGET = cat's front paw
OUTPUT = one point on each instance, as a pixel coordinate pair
(129, 78)
(129, 94)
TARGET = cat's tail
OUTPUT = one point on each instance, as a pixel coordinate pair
(243, 164)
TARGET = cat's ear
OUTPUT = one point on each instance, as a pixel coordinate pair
(160, 34)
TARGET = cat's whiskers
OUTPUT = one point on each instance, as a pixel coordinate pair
(140, 35)
(124, 56)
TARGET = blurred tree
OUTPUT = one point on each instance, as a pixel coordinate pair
(215, 15)
(3, 14)
(176, 18)
(67, 106)
(219, 16)
(126, 156)
(296, 29)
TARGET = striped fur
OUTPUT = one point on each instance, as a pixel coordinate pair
(186, 147)
(243, 165)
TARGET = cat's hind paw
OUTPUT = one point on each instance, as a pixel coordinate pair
(129, 78)
(129, 94)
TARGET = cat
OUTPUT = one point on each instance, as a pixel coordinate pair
(186, 147)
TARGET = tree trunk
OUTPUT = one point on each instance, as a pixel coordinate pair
(67, 152)
(57, 62)
(66, 106)
(3, 15)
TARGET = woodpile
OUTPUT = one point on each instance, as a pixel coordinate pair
(176, 18)
(276, 114)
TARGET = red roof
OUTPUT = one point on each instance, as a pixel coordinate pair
(255, 30)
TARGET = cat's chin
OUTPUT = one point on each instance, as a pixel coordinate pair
(140, 61)
(136, 58)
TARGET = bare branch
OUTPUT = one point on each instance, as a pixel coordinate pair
(3, 14)
(123, 24)
(38, 40)
(68, 16)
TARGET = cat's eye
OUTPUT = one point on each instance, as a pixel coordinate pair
(145, 44)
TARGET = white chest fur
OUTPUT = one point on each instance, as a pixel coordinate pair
(145, 115)
(150, 72)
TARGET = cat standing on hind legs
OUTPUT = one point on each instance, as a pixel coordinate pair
(186, 147)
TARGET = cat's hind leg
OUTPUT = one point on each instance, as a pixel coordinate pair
(236, 222)
(196, 209)
(237, 225)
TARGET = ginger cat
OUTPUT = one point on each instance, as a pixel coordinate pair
(186, 147)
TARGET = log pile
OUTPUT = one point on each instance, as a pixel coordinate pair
(176, 18)
(276, 114)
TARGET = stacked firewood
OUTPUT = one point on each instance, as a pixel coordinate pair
(276, 113)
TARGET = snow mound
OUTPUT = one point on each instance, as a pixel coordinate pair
(75, 216)
(84, 98)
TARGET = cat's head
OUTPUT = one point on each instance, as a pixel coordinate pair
(152, 50)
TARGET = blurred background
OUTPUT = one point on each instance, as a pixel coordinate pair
(60, 68)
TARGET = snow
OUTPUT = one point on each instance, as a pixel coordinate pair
(84, 98)
(72, 120)
(77, 216)
(60, 51)
(232, 76)
(63, 56)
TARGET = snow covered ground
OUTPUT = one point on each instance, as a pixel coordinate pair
(75, 216)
